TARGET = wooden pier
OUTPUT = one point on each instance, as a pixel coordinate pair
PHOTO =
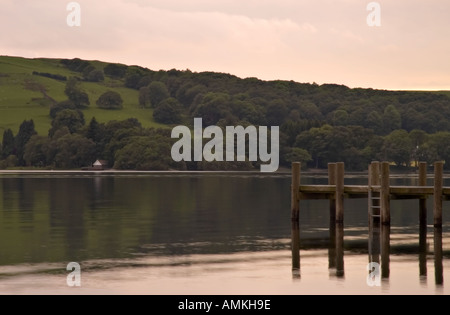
(379, 193)
(378, 185)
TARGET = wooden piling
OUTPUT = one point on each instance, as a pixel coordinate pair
(374, 180)
(423, 201)
(332, 182)
(375, 174)
(438, 192)
(385, 194)
(295, 191)
(340, 174)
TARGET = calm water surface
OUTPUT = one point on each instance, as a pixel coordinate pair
(203, 234)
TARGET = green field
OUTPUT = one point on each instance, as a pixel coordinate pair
(21, 97)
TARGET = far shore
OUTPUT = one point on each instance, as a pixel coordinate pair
(281, 172)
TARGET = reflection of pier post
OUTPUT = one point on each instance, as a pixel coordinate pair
(374, 242)
(385, 251)
(332, 246)
(340, 272)
(438, 255)
(423, 253)
(295, 250)
(295, 213)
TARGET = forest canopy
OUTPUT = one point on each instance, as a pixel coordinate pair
(318, 123)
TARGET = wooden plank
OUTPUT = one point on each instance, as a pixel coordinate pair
(411, 190)
(314, 196)
(326, 189)
(295, 201)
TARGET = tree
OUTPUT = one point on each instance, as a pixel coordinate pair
(299, 155)
(54, 110)
(110, 100)
(144, 153)
(95, 76)
(392, 120)
(340, 118)
(168, 112)
(26, 131)
(154, 94)
(398, 147)
(73, 151)
(116, 71)
(8, 144)
(36, 150)
(97, 133)
(213, 107)
(276, 113)
(67, 118)
(375, 122)
(76, 94)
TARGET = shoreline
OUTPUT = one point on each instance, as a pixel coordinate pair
(283, 173)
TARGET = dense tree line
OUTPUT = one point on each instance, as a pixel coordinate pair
(319, 124)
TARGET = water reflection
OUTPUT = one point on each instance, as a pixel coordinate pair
(296, 250)
(380, 249)
(438, 255)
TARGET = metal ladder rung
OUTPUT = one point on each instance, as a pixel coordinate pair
(376, 207)
(376, 216)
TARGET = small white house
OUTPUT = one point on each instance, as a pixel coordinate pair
(100, 165)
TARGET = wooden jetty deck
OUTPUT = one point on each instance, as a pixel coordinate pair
(378, 191)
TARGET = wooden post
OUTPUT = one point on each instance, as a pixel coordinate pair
(374, 180)
(423, 201)
(340, 174)
(332, 181)
(375, 174)
(385, 194)
(438, 186)
(295, 191)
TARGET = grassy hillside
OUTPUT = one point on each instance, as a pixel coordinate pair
(21, 95)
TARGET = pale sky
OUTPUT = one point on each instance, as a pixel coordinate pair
(322, 41)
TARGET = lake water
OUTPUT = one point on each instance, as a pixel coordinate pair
(203, 234)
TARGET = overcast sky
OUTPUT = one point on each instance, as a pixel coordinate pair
(322, 41)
